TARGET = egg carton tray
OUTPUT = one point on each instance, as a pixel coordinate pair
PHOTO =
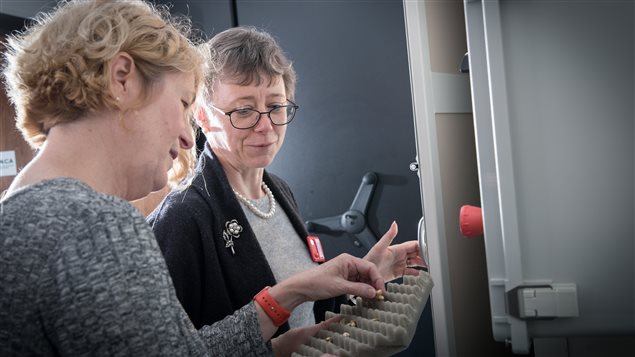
(372, 327)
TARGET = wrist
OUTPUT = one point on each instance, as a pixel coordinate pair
(288, 294)
(269, 304)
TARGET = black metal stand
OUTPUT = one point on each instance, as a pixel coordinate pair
(351, 223)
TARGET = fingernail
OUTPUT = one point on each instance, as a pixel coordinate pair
(371, 293)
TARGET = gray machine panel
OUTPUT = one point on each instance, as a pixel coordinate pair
(553, 93)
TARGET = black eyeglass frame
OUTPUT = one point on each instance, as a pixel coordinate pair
(229, 114)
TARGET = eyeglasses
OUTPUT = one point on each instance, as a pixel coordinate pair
(248, 118)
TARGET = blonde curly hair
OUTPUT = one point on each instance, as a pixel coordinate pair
(57, 70)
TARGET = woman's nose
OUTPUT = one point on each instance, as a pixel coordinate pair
(186, 139)
(264, 123)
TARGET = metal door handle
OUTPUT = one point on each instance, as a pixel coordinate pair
(423, 241)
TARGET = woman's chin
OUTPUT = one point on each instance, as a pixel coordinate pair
(263, 161)
(261, 164)
(159, 183)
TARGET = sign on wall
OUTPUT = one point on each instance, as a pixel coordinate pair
(7, 163)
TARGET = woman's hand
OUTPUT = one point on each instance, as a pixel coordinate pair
(341, 275)
(397, 260)
(291, 340)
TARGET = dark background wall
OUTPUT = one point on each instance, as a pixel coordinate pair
(355, 114)
(355, 109)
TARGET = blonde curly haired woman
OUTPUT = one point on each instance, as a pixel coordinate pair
(103, 90)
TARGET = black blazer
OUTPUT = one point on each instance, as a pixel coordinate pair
(210, 281)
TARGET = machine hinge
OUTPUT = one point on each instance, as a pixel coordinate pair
(543, 302)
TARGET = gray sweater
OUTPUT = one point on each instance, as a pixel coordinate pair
(81, 274)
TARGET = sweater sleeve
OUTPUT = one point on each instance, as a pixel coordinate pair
(107, 291)
(238, 333)
(179, 237)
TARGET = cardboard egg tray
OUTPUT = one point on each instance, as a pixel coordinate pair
(373, 327)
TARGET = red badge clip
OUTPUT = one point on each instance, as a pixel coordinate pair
(315, 246)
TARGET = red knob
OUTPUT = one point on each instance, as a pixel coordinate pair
(471, 221)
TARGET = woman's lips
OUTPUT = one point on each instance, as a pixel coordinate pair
(265, 145)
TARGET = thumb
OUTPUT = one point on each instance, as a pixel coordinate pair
(361, 289)
(326, 323)
(389, 236)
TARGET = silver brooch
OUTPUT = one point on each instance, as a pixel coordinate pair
(232, 230)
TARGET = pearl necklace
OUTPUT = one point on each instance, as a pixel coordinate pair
(252, 207)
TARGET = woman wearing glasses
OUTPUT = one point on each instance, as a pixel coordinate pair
(237, 228)
(104, 91)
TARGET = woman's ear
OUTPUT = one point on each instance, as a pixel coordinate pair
(122, 73)
(202, 118)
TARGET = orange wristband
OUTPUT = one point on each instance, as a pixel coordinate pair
(278, 314)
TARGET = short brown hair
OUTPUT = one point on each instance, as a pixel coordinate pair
(247, 55)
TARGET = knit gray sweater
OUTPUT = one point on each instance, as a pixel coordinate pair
(81, 274)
